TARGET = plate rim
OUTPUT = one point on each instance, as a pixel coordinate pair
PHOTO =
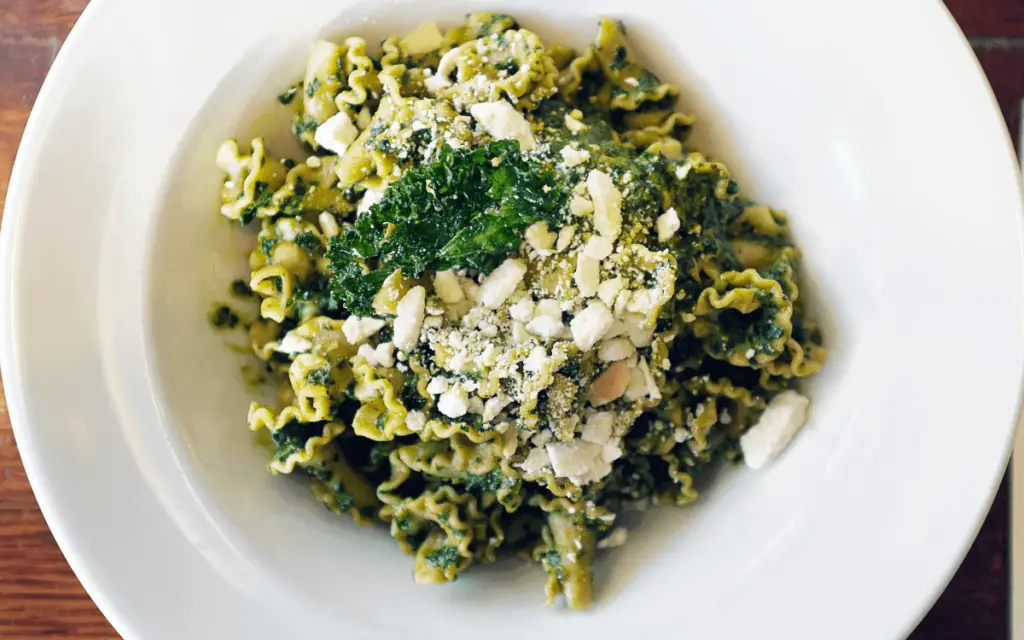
(25, 161)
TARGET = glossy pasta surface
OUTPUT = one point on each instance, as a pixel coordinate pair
(503, 296)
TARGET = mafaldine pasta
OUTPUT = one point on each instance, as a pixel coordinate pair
(504, 297)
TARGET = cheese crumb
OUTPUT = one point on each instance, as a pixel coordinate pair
(782, 418)
(590, 324)
(540, 238)
(573, 156)
(565, 236)
(587, 275)
(580, 206)
(415, 420)
(454, 402)
(609, 290)
(598, 247)
(573, 124)
(502, 282)
(336, 133)
(615, 349)
(503, 122)
(357, 329)
(578, 460)
(607, 204)
(522, 310)
(293, 345)
(668, 224)
(410, 318)
(536, 461)
(447, 287)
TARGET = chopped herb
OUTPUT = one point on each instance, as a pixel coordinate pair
(320, 377)
(490, 482)
(461, 211)
(447, 557)
(402, 523)
(288, 163)
(618, 58)
(310, 243)
(262, 194)
(312, 87)
(554, 561)
(267, 244)
(288, 96)
(303, 125)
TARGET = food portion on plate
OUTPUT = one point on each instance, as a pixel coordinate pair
(506, 300)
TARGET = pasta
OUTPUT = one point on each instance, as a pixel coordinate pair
(504, 298)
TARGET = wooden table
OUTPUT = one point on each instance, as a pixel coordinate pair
(39, 595)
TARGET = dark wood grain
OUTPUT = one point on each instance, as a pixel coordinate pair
(989, 18)
(40, 596)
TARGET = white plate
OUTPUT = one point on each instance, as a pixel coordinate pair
(870, 122)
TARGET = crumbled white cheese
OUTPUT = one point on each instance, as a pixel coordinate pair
(590, 324)
(638, 334)
(494, 405)
(535, 362)
(573, 156)
(578, 460)
(366, 351)
(649, 382)
(545, 326)
(668, 224)
(580, 206)
(540, 238)
(750, 354)
(476, 405)
(503, 122)
(423, 39)
(415, 420)
(410, 318)
(370, 198)
(724, 417)
(438, 385)
(336, 134)
(447, 287)
(565, 236)
(522, 310)
(437, 83)
(781, 419)
(598, 427)
(607, 204)
(541, 438)
(616, 538)
(502, 282)
(357, 329)
(682, 170)
(454, 402)
(609, 290)
(615, 349)
(587, 275)
(536, 461)
(548, 307)
(519, 333)
(573, 125)
(313, 162)
(598, 247)
(293, 345)
(385, 354)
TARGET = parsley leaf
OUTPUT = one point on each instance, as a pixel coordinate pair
(469, 209)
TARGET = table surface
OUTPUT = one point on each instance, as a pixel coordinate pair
(40, 596)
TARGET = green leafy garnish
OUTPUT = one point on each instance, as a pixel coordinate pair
(320, 377)
(469, 209)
